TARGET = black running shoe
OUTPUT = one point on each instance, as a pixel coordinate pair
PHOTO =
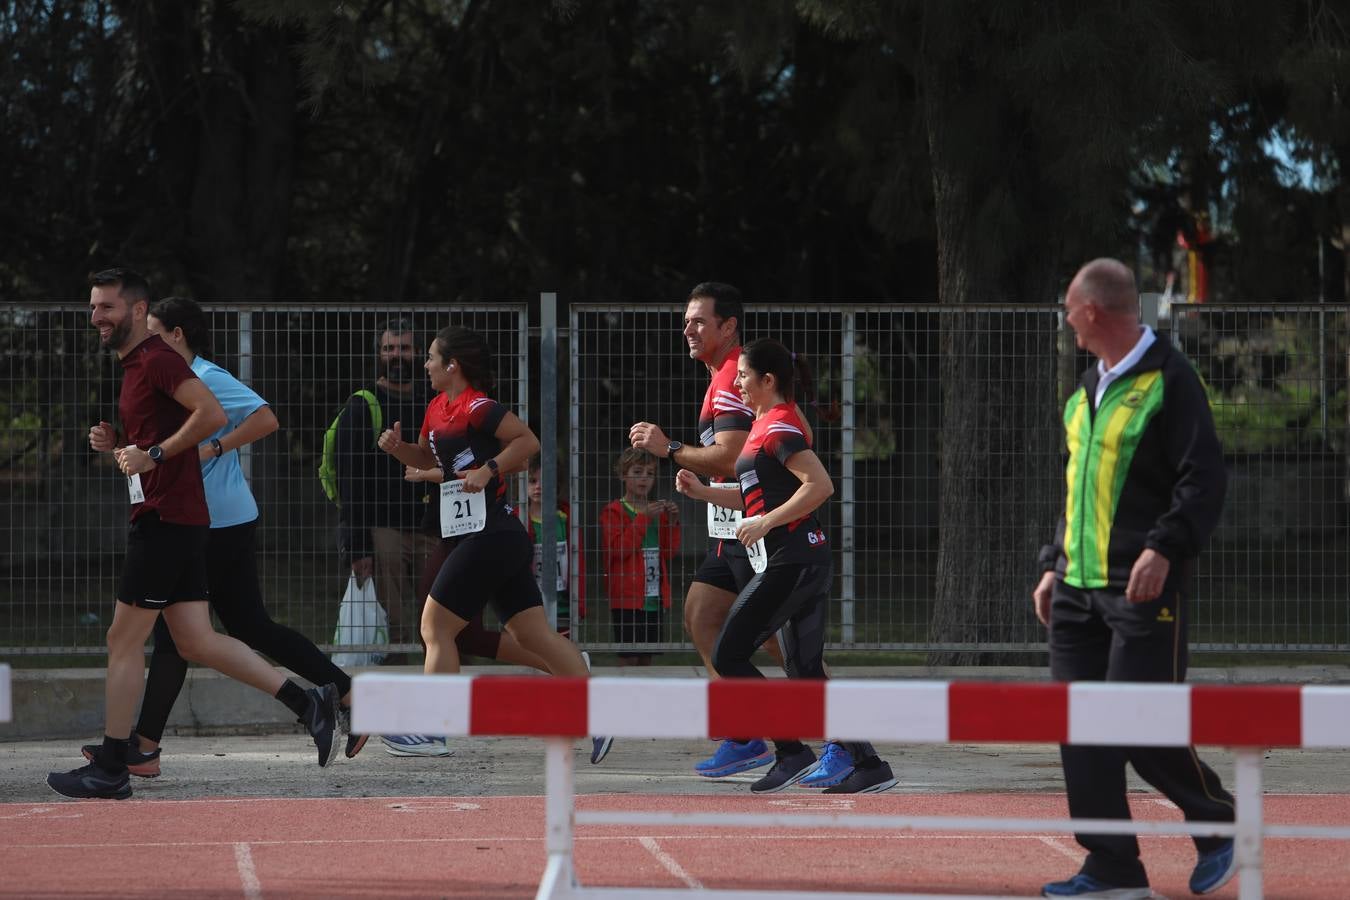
(91, 782)
(142, 765)
(600, 748)
(870, 777)
(321, 721)
(788, 769)
(354, 741)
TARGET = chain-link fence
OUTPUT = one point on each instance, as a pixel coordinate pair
(939, 426)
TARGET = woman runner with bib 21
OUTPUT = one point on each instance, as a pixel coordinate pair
(782, 484)
(469, 442)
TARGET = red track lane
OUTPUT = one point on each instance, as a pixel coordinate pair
(492, 847)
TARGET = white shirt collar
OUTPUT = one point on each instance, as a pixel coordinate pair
(1127, 362)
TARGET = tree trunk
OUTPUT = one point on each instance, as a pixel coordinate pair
(240, 210)
(999, 462)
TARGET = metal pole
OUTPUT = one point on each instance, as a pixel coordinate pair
(846, 485)
(548, 458)
(574, 466)
(246, 376)
(1249, 823)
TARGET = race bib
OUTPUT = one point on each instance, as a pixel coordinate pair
(722, 520)
(651, 567)
(134, 488)
(759, 557)
(560, 560)
(461, 513)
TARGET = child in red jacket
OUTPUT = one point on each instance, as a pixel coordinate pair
(640, 536)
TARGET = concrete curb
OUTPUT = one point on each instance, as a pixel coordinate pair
(68, 703)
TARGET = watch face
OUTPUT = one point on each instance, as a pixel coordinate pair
(156, 453)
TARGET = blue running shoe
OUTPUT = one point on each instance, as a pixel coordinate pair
(1214, 869)
(732, 757)
(415, 745)
(1086, 887)
(835, 765)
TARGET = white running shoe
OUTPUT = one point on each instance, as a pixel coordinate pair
(415, 745)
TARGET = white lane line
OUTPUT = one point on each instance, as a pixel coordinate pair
(1165, 803)
(670, 864)
(512, 839)
(1059, 846)
(248, 874)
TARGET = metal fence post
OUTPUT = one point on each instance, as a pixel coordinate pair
(548, 441)
(848, 424)
(574, 492)
(246, 376)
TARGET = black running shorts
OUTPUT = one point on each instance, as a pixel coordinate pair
(494, 568)
(729, 571)
(165, 563)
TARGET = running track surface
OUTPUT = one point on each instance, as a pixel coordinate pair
(492, 847)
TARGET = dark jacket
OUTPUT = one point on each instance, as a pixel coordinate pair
(370, 482)
(1144, 470)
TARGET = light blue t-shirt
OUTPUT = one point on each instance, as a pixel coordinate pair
(227, 493)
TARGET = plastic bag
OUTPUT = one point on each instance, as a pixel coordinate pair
(361, 620)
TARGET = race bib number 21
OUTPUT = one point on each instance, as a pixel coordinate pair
(461, 513)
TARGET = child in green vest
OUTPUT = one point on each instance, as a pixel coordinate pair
(640, 537)
(563, 560)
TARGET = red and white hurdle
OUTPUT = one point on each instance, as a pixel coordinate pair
(1248, 719)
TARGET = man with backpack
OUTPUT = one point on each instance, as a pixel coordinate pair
(378, 531)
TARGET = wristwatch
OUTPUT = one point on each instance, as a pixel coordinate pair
(156, 454)
(215, 446)
(672, 447)
(492, 465)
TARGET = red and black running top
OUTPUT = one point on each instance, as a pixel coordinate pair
(462, 434)
(767, 483)
(723, 409)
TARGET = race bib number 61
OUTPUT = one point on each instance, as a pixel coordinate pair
(461, 513)
(759, 557)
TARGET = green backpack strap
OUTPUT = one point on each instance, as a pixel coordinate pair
(328, 458)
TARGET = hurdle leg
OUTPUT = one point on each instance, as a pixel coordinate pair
(560, 879)
(1249, 823)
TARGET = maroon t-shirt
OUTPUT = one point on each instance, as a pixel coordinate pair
(151, 372)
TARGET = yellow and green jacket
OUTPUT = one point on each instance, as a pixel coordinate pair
(1145, 470)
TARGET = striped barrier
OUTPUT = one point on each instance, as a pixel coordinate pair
(6, 704)
(1248, 719)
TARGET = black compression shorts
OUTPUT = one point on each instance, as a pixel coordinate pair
(494, 568)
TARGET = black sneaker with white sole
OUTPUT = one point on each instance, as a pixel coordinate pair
(788, 769)
(91, 782)
(868, 777)
(321, 721)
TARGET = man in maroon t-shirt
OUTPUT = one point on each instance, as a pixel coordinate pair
(166, 412)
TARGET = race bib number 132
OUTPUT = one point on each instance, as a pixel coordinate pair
(722, 520)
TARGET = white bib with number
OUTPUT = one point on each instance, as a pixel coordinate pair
(134, 488)
(461, 513)
(651, 567)
(722, 520)
(560, 559)
(759, 557)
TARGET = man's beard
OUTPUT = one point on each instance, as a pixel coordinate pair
(121, 333)
(396, 371)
